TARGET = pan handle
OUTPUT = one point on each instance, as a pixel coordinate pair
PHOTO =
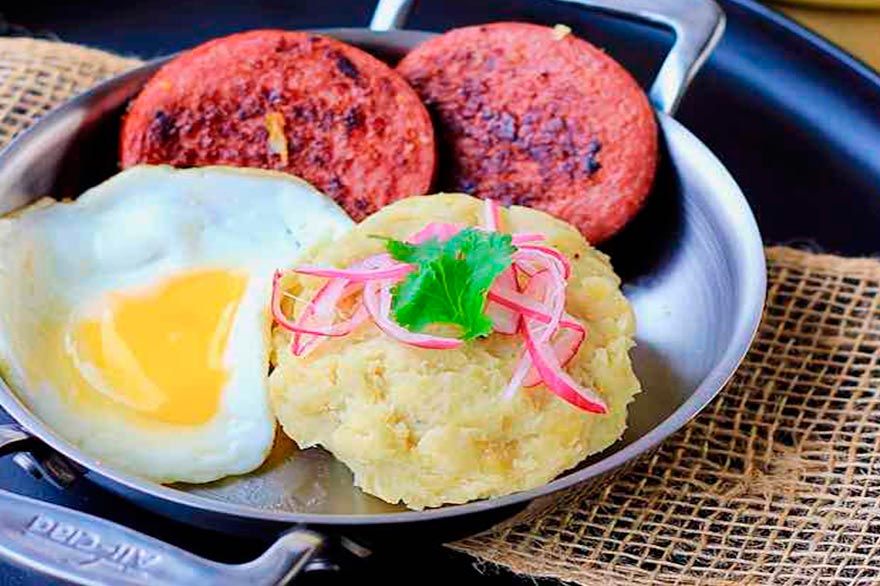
(698, 25)
(13, 439)
(83, 549)
(390, 15)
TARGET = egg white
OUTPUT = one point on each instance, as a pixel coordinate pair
(136, 230)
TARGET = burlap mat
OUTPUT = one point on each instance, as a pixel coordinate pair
(36, 75)
(777, 482)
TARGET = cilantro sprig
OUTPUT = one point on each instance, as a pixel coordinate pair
(450, 280)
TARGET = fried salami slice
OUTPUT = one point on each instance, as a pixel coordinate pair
(535, 116)
(291, 101)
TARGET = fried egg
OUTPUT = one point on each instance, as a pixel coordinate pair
(134, 320)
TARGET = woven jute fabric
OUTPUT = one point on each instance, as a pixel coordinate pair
(776, 482)
(36, 75)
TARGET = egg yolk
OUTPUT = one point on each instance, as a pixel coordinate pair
(159, 350)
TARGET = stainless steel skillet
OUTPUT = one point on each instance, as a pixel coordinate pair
(693, 266)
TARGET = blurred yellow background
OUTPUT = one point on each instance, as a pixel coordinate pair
(856, 30)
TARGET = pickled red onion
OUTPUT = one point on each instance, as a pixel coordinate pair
(520, 372)
(391, 270)
(556, 379)
(540, 253)
(568, 341)
(527, 299)
(521, 238)
(520, 304)
(505, 320)
(548, 286)
(377, 300)
(323, 307)
(491, 215)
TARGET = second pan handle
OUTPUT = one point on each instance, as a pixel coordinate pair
(698, 25)
(82, 549)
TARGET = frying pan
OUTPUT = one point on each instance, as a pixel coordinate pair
(693, 268)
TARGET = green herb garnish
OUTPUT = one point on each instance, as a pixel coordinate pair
(451, 280)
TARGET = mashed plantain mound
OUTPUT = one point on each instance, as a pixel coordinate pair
(430, 427)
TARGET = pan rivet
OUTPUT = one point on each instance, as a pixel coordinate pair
(27, 463)
(53, 469)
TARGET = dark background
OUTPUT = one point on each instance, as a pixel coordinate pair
(796, 122)
(767, 103)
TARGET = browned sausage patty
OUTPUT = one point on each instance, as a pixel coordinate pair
(292, 101)
(533, 116)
